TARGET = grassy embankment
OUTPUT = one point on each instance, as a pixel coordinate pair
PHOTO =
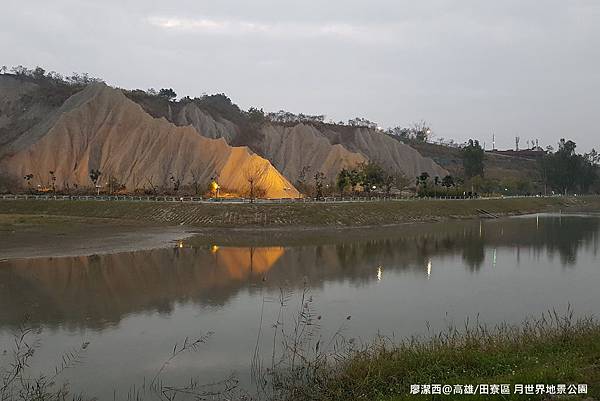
(552, 350)
(357, 214)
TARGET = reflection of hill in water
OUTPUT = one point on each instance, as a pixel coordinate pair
(99, 290)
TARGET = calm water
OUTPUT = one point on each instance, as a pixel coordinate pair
(134, 307)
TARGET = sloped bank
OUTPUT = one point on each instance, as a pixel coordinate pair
(295, 216)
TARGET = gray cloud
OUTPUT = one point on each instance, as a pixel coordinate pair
(470, 68)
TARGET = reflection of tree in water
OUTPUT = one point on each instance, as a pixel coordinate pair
(473, 253)
(566, 235)
(562, 235)
(98, 291)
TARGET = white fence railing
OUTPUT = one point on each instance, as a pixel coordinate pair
(193, 199)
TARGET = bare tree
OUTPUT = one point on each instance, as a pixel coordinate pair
(114, 184)
(401, 181)
(196, 183)
(135, 180)
(256, 174)
(421, 131)
(150, 181)
(319, 183)
(301, 182)
(176, 181)
(52, 180)
(388, 183)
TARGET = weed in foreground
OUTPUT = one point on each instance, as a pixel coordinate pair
(550, 349)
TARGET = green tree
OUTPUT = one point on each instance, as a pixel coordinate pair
(319, 184)
(356, 178)
(343, 180)
(422, 181)
(94, 177)
(477, 183)
(373, 176)
(473, 156)
(562, 169)
(167, 93)
(38, 73)
(448, 181)
(256, 115)
(588, 165)
(418, 132)
(421, 131)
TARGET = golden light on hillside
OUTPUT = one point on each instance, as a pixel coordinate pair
(214, 188)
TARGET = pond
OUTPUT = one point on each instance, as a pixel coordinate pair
(134, 307)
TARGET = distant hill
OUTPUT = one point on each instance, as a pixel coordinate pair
(144, 140)
(294, 148)
(498, 165)
(98, 127)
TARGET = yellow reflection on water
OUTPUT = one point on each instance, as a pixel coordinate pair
(242, 262)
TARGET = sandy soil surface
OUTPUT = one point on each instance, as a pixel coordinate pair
(50, 236)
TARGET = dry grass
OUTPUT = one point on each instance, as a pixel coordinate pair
(18, 381)
(551, 350)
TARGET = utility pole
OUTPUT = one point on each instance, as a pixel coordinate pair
(517, 139)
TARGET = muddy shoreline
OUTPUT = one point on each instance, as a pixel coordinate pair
(27, 237)
(51, 232)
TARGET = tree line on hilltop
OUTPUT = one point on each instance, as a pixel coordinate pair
(221, 104)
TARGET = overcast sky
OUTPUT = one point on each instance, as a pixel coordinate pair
(468, 67)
